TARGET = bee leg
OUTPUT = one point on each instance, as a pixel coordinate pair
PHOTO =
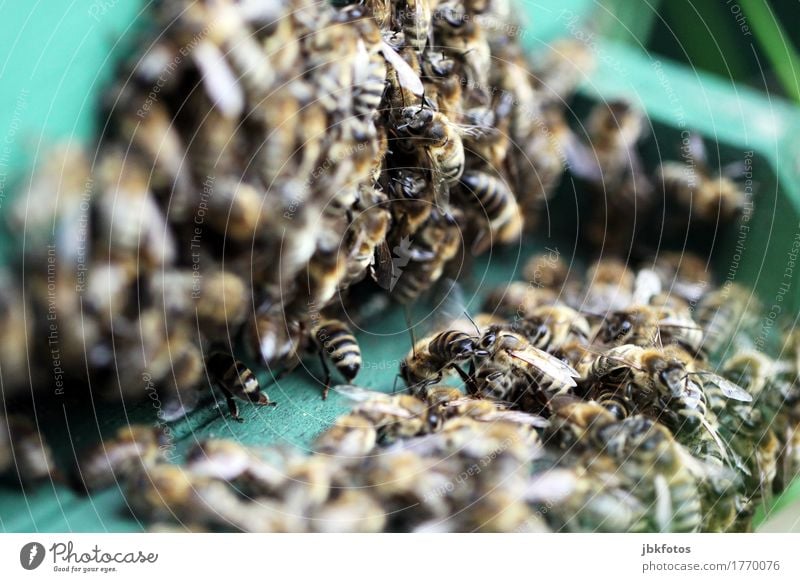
(263, 400)
(233, 408)
(327, 374)
(468, 380)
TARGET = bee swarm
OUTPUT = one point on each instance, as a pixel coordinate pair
(263, 158)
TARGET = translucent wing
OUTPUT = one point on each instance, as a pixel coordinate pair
(547, 363)
(728, 388)
(405, 74)
(523, 418)
(356, 393)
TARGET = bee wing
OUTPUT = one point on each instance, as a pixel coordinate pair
(524, 418)
(728, 388)
(382, 271)
(219, 80)
(405, 74)
(356, 393)
(383, 407)
(547, 363)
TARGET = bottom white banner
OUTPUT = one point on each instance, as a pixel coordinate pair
(399, 557)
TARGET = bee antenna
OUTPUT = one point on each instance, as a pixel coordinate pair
(472, 321)
(410, 331)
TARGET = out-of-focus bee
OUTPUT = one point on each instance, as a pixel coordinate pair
(496, 209)
(217, 302)
(476, 440)
(722, 313)
(352, 435)
(609, 287)
(393, 416)
(115, 459)
(562, 68)
(518, 299)
(574, 499)
(233, 463)
(433, 357)
(709, 196)
(131, 226)
(274, 339)
(318, 282)
(613, 167)
(235, 380)
(490, 411)
(28, 457)
(15, 334)
(165, 492)
(349, 510)
(571, 422)
(657, 470)
(546, 270)
(684, 274)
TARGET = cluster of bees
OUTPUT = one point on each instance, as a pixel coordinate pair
(262, 160)
(259, 160)
(585, 405)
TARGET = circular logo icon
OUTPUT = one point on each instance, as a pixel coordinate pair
(31, 555)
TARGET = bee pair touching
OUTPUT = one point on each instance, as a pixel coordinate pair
(504, 364)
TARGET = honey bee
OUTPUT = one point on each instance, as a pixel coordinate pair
(236, 381)
(349, 510)
(412, 199)
(546, 270)
(352, 435)
(518, 299)
(562, 68)
(28, 454)
(233, 463)
(368, 231)
(393, 416)
(165, 492)
(493, 199)
(684, 274)
(458, 35)
(513, 367)
(131, 226)
(434, 244)
(415, 17)
(550, 327)
(722, 313)
(433, 357)
(694, 186)
(609, 287)
(657, 470)
(441, 84)
(646, 325)
(115, 459)
(440, 138)
(334, 339)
